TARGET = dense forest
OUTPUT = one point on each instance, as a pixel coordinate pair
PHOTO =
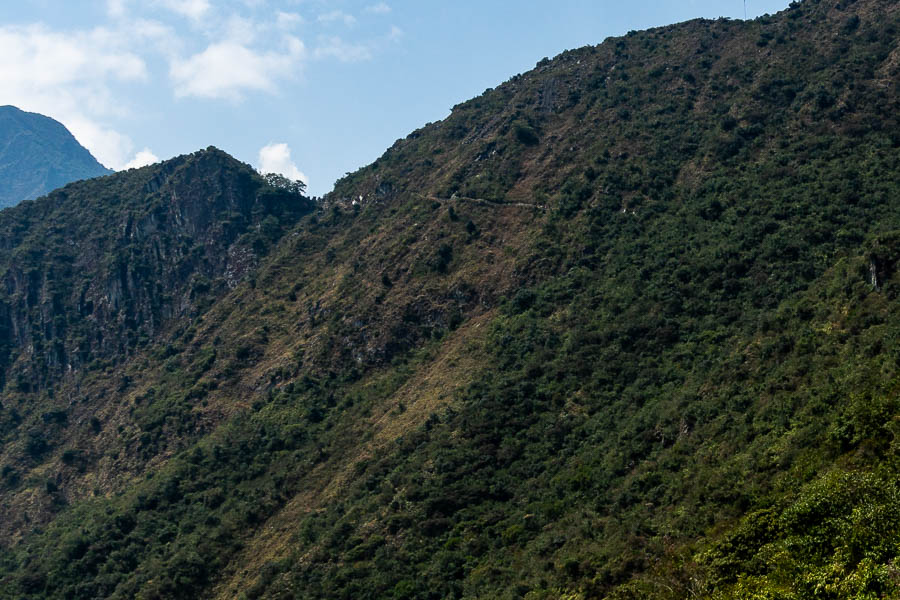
(625, 326)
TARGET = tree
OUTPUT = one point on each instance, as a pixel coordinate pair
(279, 181)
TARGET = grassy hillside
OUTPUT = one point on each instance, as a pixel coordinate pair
(623, 327)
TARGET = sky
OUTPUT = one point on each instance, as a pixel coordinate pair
(311, 89)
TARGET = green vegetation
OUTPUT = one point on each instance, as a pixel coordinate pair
(623, 327)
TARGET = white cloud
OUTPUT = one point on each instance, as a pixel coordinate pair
(276, 158)
(335, 47)
(79, 76)
(141, 159)
(227, 69)
(34, 56)
(161, 38)
(108, 146)
(192, 9)
(337, 15)
(115, 8)
(68, 76)
(242, 31)
(287, 20)
(379, 9)
(395, 34)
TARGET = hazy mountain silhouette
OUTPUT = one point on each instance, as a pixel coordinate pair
(37, 155)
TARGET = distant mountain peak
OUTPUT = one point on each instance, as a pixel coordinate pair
(38, 155)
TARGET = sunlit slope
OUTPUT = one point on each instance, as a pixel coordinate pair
(624, 326)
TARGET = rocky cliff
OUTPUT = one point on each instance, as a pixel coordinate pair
(97, 270)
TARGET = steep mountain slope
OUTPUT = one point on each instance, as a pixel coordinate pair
(98, 271)
(37, 155)
(623, 327)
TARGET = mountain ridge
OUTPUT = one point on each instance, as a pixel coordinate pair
(38, 155)
(619, 328)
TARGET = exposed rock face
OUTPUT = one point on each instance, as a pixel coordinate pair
(38, 155)
(196, 225)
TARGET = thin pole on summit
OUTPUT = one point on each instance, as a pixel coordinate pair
(745, 10)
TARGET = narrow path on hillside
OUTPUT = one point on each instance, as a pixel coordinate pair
(483, 201)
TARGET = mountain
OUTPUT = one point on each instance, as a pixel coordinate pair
(623, 327)
(37, 155)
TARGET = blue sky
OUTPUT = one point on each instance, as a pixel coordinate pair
(309, 88)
